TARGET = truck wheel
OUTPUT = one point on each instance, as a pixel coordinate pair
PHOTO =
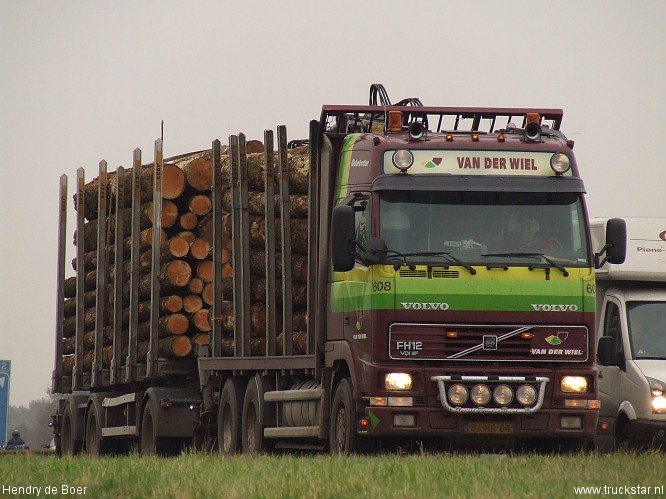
(252, 429)
(229, 417)
(152, 445)
(343, 438)
(95, 446)
(68, 446)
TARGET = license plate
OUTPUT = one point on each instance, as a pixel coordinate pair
(489, 428)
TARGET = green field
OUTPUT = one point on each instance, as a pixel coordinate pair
(385, 476)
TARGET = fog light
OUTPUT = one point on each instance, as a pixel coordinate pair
(503, 395)
(574, 384)
(526, 395)
(458, 394)
(659, 404)
(571, 422)
(401, 401)
(404, 420)
(480, 394)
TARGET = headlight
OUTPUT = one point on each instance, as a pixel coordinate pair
(503, 395)
(526, 395)
(659, 404)
(560, 163)
(458, 394)
(656, 387)
(398, 381)
(574, 384)
(480, 394)
(403, 159)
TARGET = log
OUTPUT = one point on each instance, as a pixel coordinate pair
(89, 358)
(175, 347)
(257, 347)
(89, 300)
(199, 321)
(298, 204)
(192, 303)
(173, 182)
(201, 339)
(299, 265)
(200, 205)
(195, 286)
(169, 214)
(188, 235)
(200, 249)
(298, 161)
(174, 248)
(170, 325)
(299, 234)
(69, 324)
(225, 315)
(207, 294)
(171, 304)
(188, 221)
(199, 174)
(204, 270)
(299, 342)
(68, 364)
(258, 291)
(176, 273)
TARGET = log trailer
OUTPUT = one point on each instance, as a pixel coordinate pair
(430, 314)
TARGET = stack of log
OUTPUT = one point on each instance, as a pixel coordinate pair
(186, 272)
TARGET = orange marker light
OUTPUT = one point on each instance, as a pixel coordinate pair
(394, 121)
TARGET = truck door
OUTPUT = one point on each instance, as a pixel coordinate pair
(611, 377)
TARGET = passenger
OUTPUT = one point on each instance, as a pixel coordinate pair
(527, 236)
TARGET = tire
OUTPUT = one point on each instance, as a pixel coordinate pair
(343, 438)
(252, 429)
(230, 412)
(68, 445)
(150, 444)
(95, 446)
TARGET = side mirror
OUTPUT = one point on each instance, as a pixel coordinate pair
(342, 238)
(605, 351)
(615, 249)
(616, 241)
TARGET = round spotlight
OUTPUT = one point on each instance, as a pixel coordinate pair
(403, 159)
(526, 395)
(480, 394)
(416, 130)
(458, 394)
(560, 163)
(503, 395)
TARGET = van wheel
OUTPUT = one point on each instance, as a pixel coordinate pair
(229, 417)
(343, 438)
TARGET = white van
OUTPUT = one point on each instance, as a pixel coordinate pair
(631, 327)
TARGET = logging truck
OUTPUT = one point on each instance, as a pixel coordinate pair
(408, 271)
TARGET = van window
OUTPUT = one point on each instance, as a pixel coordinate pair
(612, 326)
(647, 329)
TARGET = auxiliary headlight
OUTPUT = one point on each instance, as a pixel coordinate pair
(526, 395)
(480, 394)
(403, 159)
(458, 394)
(560, 163)
(573, 384)
(503, 395)
(398, 381)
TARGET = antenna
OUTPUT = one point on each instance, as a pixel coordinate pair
(162, 131)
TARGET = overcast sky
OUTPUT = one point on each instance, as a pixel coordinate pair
(83, 81)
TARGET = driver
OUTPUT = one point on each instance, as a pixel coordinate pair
(527, 236)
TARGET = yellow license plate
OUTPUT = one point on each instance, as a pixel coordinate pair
(489, 428)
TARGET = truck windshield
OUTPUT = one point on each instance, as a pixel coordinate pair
(484, 228)
(647, 329)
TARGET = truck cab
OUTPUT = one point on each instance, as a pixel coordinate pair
(631, 305)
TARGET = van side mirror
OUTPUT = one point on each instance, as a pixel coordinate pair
(343, 238)
(615, 248)
(605, 351)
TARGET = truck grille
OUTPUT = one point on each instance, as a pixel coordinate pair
(456, 342)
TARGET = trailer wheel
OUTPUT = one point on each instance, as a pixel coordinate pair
(95, 446)
(68, 445)
(229, 417)
(252, 429)
(150, 444)
(343, 438)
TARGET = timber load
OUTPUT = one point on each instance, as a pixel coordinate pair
(184, 270)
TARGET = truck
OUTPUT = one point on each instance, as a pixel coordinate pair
(631, 301)
(448, 291)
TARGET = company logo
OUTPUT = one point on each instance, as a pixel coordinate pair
(662, 236)
(489, 342)
(557, 338)
(547, 307)
(432, 163)
(424, 306)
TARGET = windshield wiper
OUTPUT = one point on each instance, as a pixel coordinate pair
(552, 262)
(455, 260)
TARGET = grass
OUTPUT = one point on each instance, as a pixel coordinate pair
(324, 476)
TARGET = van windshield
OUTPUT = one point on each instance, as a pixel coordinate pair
(647, 329)
(484, 228)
